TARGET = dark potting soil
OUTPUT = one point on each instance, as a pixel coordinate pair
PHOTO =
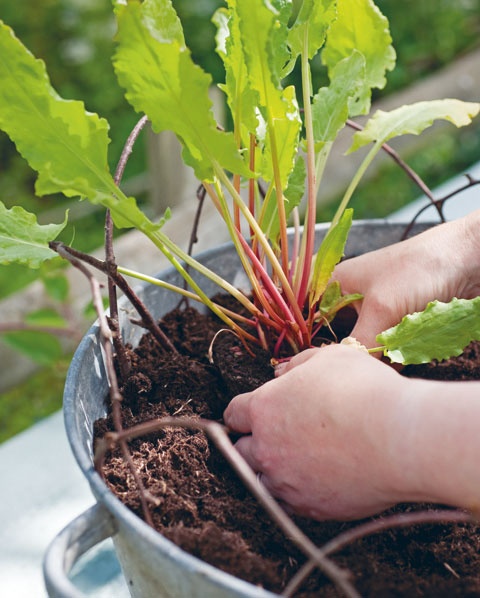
(199, 503)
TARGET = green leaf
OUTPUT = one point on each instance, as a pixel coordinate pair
(441, 331)
(312, 23)
(263, 30)
(41, 347)
(413, 119)
(278, 48)
(56, 285)
(330, 107)
(287, 136)
(361, 26)
(296, 184)
(330, 253)
(23, 240)
(293, 196)
(241, 98)
(161, 80)
(63, 142)
(333, 301)
(66, 145)
(45, 317)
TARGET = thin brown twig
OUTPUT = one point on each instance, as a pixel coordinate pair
(147, 320)
(113, 320)
(200, 194)
(408, 170)
(110, 261)
(375, 526)
(218, 434)
(128, 148)
(115, 395)
(439, 203)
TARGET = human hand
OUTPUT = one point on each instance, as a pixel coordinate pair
(323, 434)
(440, 263)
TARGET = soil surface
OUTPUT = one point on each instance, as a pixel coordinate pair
(198, 503)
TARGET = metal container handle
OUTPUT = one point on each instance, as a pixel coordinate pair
(88, 529)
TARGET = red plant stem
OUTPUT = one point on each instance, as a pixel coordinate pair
(277, 298)
(296, 242)
(251, 182)
(279, 342)
(273, 292)
(309, 230)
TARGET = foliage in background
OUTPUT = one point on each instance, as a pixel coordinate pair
(74, 37)
(429, 34)
(39, 396)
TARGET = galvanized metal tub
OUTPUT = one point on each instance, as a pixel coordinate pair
(152, 565)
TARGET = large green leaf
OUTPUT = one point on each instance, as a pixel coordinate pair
(64, 144)
(161, 80)
(441, 331)
(241, 98)
(287, 135)
(23, 240)
(413, 119)
(311, 25)
(330, 107)
(361, 26)
(263, 30)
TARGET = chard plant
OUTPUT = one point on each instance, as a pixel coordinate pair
(261, 174)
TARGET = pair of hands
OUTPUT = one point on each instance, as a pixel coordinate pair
(329, 434)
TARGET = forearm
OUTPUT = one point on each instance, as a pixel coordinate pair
(438, 442)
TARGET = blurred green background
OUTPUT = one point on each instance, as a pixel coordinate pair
(74, 37)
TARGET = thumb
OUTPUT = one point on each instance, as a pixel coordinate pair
(366, 328)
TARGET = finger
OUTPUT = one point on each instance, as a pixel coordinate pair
(285, 366)
(368, 325)
(362, 333)
(237, 415)
(245, 447)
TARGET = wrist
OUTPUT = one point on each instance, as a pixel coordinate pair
(405, 473)
(468, 244)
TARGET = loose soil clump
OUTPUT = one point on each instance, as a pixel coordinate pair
(200, 504)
